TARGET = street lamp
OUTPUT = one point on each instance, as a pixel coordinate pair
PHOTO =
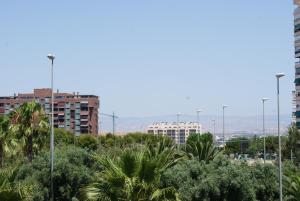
(178, 135)
(52, 57)
(278, 76)
(214, 131)
(224, 106)
(198, 120)
(264, 134)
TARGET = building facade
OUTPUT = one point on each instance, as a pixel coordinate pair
(73, 112)
(178, 132)
(294, 106)
(297, 64)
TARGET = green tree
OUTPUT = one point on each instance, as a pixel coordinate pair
(237, 145)
(134, 176)
(256, 146)
(74, 168)
(292, 188)
(222, 180)
(265, 181)
(271, 144)
(7, 141)
(202, 151)
(30, 124)
(88, 142)
(205, 137)
(293, 143)
(62, 136)
(11, 190)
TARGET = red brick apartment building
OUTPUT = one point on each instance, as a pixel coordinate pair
(73, 112)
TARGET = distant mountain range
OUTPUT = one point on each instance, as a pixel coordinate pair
(246, 125)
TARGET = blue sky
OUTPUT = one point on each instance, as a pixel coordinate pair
(155, 57)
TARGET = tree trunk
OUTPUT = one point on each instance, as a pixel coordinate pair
(29, 148)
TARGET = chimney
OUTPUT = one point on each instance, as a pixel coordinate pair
(77, 94)
(57, 91)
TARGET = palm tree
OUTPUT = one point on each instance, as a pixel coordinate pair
(164, 153)
(292, 188)
(134, 176)
(202, 151)
(29, 123)
(7, 142)
(10, 191)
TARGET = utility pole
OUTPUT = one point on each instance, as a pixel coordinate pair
(52, 57)
(114, 123)
(278, 76)
(224, 106)
(214, 126)
(114, 117)
(198, 123)
(177, 135)
(264, 132)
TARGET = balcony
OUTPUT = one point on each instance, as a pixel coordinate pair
(298, 125)
(297, 114)
(84, 112)
(297, 28)
(297, 55)
(297, 81)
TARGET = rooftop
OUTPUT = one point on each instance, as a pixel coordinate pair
(46, 92)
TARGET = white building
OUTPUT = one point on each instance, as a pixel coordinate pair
(178, 132)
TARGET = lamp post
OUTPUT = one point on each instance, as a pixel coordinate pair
(224, 106)
(52, 57)
(198, 122)
(214, 126)
(264, 133)
(278, 76)
(178, 135)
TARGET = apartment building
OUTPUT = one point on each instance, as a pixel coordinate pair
(73, 112)
(178, 132)
(297, 64)
(294, 107)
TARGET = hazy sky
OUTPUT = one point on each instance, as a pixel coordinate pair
(155, 57)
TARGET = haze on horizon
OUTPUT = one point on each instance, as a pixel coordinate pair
(149, 58)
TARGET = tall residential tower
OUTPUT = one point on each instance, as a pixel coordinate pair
(73, 112)
(297, 64)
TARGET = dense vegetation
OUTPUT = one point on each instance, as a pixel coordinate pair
(137, 167)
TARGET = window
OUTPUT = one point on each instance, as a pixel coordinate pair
(297, 28)
(59, 97)
(297, 71)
